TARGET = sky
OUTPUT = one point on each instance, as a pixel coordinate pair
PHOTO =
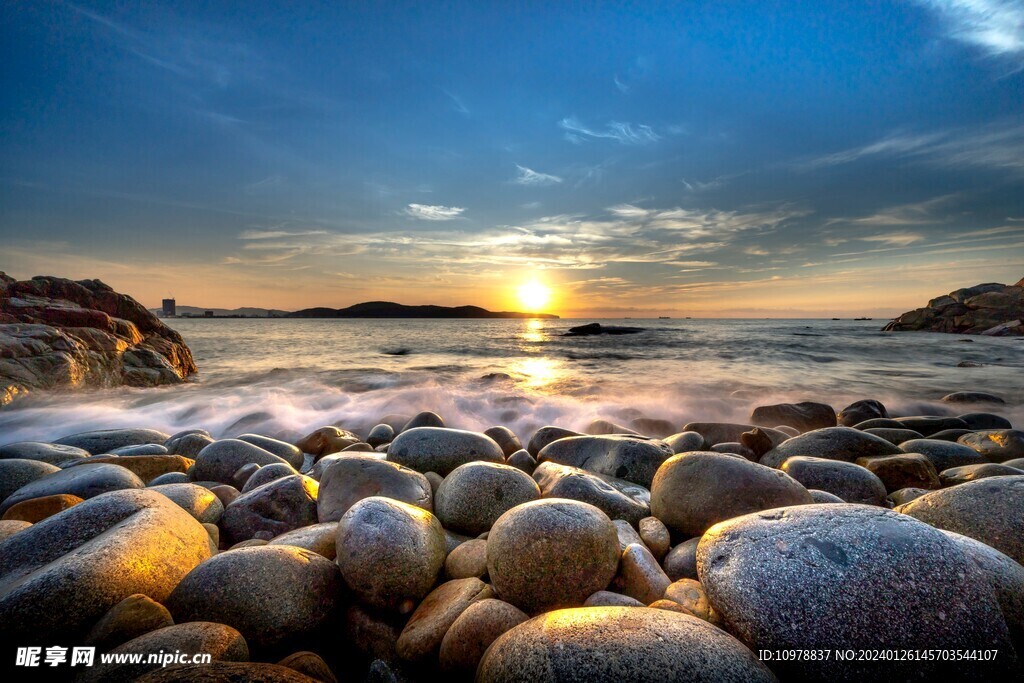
(725, 158)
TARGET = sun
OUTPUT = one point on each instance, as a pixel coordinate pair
(534, 295)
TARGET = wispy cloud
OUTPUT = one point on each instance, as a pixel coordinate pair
(916, 213)
(994, 26)
(897, 239)
(623, 133)
(277, 234)
(431, 212)
(457, 103)
(527, 176)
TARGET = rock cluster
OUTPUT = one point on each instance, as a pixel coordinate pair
(991, 309)
(58, 333)
(599, 557)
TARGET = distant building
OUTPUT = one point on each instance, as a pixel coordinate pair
(208, 314)
(170, 308)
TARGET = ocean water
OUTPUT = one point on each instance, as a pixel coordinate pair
(286, 377)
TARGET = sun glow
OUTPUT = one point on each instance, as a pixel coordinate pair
(534, 295)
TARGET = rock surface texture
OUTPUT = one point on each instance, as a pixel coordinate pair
(990, 309)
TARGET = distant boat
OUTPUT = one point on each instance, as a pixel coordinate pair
(664, 317)
(863, 318)
(837, 318)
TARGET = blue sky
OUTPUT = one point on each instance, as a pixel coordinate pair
(706, 158)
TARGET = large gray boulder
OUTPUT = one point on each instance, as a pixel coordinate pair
(351, 477)
(198, 501)
(632, 458)
(441, 450)
(996, 445)
(852, 483)
(942, 454)
(834, 443)
(106, 440)
(15, 473)
(272, 593)
(221, 459)
(613, 644)
(52, 453)
(473, 496)
(59, 576)
(804, 416)
(617, 498)
(85, 481)
(293, 454)
(272, 509)
(815, 576)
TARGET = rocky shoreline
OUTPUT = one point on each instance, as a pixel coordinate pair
(62, 334)
(417, 551)
(990, 309)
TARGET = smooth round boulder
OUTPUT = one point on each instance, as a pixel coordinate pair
(441, 450)
(467, 560)
(423, 419)
(474, 495)
(996, 445)
(270, 593)
(655, 536)
(639, 575)
(272, 509)
(169, 478)
(421, 637)
(221, 459)
(980, 421)
(632, 458)
(819, 496)
(390, 552)
(942, 454)
(961, 475)
(140, 449)
(132, 617)
(320, 538)
(59, 576)
(833, 443)
(684, 442)
(972, 397)
(523, 461)
(352, 477)
(865, 577)
(37, 509)
(9, 527)
(52, 453)
(545, 435)
(200, 502)
(860, 411)
(106, 440)
(551, 553)
(990, 510)
(730, 432)
(1007, 578)
(380, 435)
(15, 473)
(851, 483)
(617, 498)
(893, 435)
(188, 443)
(505, 438)
(905, 495)
(612, 644)
(479, 625)
(267, 474)
(693, 491)
(84, 481)
(325, 441)
(805, 416)
(931, 424)
(907, 470)
(292, 454)
(681, 561)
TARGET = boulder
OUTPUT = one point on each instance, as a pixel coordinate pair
(421, 638)
(392, 552)
(681, 561)
(819, 496)
(380, 435)
(551, 553)
(942, 454)
(84, 481)
(265, 475)
(996, 445)
(608, 644)
(694, 491)
(989, 308)
(52, 453)
(634, 459)
(851, 483)
(611, 599)
(325, 441)
(617, 498)
(105, 440)
(200, 502)
(309, 664)
(37, 509)
(931, 424)
(684, 442)
(320, 538)
(188, 443)
(522, 461)
(220, 460)
(352, 477)
(132, 617)
(859, 411)
(15, 473)
(505, 438)
(640, 576)
(805, 416)
(833, 443)
(689, 594)
(218, 672)
(141, 449)
(961, 475)
(905, 495)
(469, 636)
(973, 397)
(272, 509)
(600, 426)
(441, 450)
(893, 435)
(423, 419)
(474, 495)
(9, 527)
(291, 454)
(58, 577)
(545, 435)
(467, 560)
(272, 593)
(591, 329)
(814, 576)
(169, 478)
(990, 510)
(655, 536)
(907, 470)
(728, 432)
(145, 467)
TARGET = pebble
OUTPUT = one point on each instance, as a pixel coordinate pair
(655, 536)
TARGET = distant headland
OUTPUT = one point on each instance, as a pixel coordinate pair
(369, 309)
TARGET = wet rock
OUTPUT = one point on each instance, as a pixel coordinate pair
(353, 477)
(655, 536)
(851, 483)
(188, 443)
(291, 454)
(141, 449)
(805, 416)
(380, 435)
(895, 436)
(879, 423)
(928, 424)
(319, 538)
(267, 474)
(681, 561)
(684, 442)
(106, 440)
(505, 438)
(522, 461)
(227, 494)
(689, 594)
(961, 475)
(972, 397)
(640, 576)
(273, 509)
(132, 617)
(996, 445)
(727, 432)
(421, 638)
(950, 434)
(819, 496)
(908, 470)
(617, 498)
(634, 459)
(833, 443)
(942, 454)
(990, 510)
(626, 534)
(476, 494)
(545, 435)
(903, 496)
(244, 473)
(390, 552)
(551, 553)
(202, 503)
(611, 599)
(37, 509)
(693, 491)
(423, 419)
(978, 421)
(597, 328)
(756, 442)
(220, 460)
(15, 473)
(325, 441)
(58, 577)
(654, 427)
(169, 478)
(52, 453)
(467, 560)
(436, 449)
(84, 481)
(598, 644)
(735, 449)
(859, 411)
(601, 427)
(272, 593)
(145, 467)
(479, 625)
(868, 577)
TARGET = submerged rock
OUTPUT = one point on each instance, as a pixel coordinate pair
(597, 328)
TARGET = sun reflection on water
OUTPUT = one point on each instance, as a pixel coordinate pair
(539, 373)
(533, 332)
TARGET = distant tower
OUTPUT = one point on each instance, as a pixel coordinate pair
(170, 308)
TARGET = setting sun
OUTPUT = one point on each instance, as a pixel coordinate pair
(534, 295)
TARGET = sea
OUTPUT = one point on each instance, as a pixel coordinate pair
(286, 377)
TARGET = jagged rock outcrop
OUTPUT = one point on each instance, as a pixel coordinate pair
(990, 309)
(59, 333)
